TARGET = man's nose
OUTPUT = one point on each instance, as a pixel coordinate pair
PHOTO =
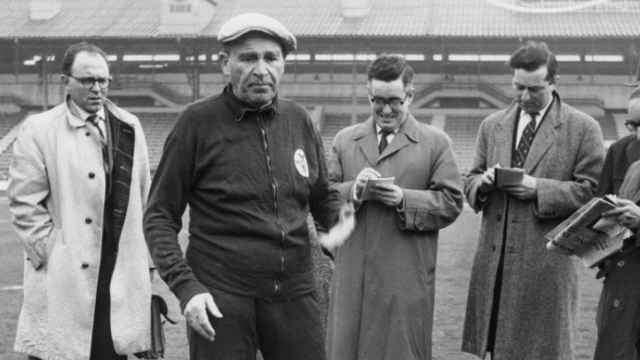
(525, 95)
(261, 68)
(386, 109)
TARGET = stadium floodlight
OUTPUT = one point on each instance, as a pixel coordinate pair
(603, 58)
(543, 6)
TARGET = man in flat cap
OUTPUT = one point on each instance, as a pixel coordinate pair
(617, 319)
(251, 166)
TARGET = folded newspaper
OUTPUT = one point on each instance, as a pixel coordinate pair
(587, 234)
(366, 192)
(508, 176)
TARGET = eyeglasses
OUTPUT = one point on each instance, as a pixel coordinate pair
(632, 125)
(393, 102)
(88, 82)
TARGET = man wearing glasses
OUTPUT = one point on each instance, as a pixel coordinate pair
(79, 179)
(617, 320)
(382, 292)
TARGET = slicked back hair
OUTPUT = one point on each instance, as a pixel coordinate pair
(389, 68)
(73, 50)
(532, 56)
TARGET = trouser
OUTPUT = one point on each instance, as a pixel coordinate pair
(281, 329)
(618, 317)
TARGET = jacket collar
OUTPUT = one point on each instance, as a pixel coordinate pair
(544, 138)
(109, 107)
(239, 108)
(367, 139)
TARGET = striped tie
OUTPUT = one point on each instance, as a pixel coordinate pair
(525, 142)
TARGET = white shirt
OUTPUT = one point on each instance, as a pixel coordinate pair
(390, 136)
(525, 119)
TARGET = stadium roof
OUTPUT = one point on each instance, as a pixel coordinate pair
(313, 18)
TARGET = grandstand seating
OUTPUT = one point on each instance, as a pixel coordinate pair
(7, 122)
(608, 126)
(463, 131)
(156, 127)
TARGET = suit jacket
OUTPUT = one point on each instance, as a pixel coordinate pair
(620, 155)
(382, 293)
(538, 302)
(57, 191)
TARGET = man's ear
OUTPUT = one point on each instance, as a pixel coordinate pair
(223, 60)
(64, 79)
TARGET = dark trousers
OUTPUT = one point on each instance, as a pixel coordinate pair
(280, 329)
(618, 317)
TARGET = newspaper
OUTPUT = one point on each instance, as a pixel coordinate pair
(587, 234)
(371, 183)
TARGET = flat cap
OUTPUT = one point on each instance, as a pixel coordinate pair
(241, 24)
(633, 112)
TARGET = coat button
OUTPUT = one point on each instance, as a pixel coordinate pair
(87, 133)
(88, 220)
(616, 303)
(499, 217)
(84, 265)
(92, 175)
(493, 248)
(620, 263)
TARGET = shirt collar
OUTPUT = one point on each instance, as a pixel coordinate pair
(239, 108)
(541, 114)
(379, 130)
(80, 113)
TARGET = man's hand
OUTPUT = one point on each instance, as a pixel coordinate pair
(526, 190)
(388, 194)
(361, 179)
(487, 180)
(339, 233)
(626, 214)
(196, 314)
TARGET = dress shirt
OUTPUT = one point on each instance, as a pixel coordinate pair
(525, 118)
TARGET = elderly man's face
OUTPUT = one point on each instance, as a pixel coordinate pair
(533, 90)
(255, 65)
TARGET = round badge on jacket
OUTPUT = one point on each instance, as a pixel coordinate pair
(300, 160)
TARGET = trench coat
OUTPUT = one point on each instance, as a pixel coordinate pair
(382, 292)
(56, 197)
(537, 313)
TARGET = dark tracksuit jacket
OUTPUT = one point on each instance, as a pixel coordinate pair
(250, 178)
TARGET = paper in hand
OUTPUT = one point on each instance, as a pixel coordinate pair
(371, 183)
(508, 176)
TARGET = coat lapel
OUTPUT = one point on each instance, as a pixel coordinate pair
(367, 141)
(405, 136)
(504, 136)
(545, 137)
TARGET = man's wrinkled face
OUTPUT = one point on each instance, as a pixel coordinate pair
(255, 65)
(533, 90)
(390, 102)
(88, 83)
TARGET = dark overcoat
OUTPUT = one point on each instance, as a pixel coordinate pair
(537, 317)
(382, 292)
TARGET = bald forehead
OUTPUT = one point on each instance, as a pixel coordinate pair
(86, 61)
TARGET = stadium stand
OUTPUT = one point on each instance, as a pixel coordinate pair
(7, 123)
(156, 127)
(462, 131)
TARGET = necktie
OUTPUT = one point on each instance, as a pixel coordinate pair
(383, 140)
(94, 120)
(99, 132)
(525, 142)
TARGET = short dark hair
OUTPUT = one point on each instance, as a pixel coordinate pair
(532, 56)
(226, 47)
(73, 50)
(389, 68)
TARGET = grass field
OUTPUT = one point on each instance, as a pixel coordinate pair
(456, 249)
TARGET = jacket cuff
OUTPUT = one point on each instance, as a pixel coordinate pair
(189, 289)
